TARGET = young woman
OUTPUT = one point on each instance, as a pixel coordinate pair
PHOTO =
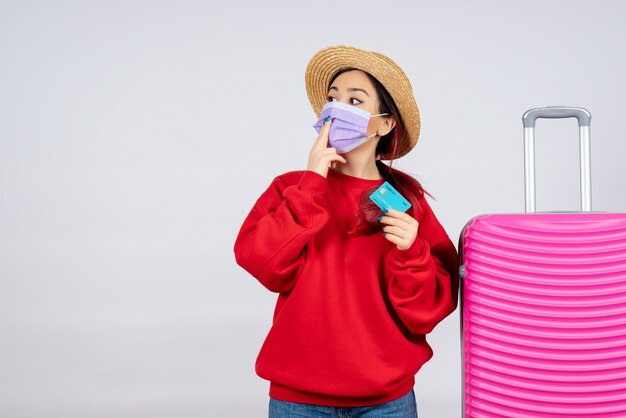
(358, 287)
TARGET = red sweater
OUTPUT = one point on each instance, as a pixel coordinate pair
(352, 312)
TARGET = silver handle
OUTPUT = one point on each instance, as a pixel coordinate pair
(557, 112)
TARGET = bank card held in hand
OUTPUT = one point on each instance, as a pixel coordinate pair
(386, 196)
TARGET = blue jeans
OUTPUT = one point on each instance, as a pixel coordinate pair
(404, 407)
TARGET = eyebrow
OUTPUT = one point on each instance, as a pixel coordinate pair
(349, 89)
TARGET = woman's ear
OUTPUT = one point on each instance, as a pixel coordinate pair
(386, 126)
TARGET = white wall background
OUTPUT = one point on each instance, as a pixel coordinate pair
(135, 136)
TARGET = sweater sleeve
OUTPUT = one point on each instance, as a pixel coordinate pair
(284, 218)
(423, 280)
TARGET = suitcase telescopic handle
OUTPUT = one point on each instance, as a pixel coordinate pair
(557, 112)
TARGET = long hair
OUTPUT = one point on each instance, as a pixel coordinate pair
(366, 216)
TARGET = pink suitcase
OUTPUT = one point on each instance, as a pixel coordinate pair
(543, 304)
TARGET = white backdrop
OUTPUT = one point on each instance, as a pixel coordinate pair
(135, 136)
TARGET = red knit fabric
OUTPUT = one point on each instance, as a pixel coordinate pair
(352, 312)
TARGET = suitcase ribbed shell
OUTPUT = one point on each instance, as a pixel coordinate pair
(543, 310)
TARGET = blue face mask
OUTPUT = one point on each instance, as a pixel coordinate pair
(349, 127)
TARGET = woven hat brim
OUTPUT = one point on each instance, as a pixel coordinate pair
(327, 61)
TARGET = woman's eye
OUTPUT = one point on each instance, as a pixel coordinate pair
(330, 99)
(355, 100)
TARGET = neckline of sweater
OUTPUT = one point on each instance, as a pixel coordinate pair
(352, 180)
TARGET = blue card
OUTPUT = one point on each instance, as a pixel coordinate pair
(386, 196)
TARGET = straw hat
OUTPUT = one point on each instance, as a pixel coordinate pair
(327, 61)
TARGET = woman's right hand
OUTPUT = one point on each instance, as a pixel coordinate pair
(321, 156)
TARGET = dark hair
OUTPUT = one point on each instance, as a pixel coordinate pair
(366, 222)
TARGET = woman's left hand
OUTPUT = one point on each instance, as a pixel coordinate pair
(401, 228)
